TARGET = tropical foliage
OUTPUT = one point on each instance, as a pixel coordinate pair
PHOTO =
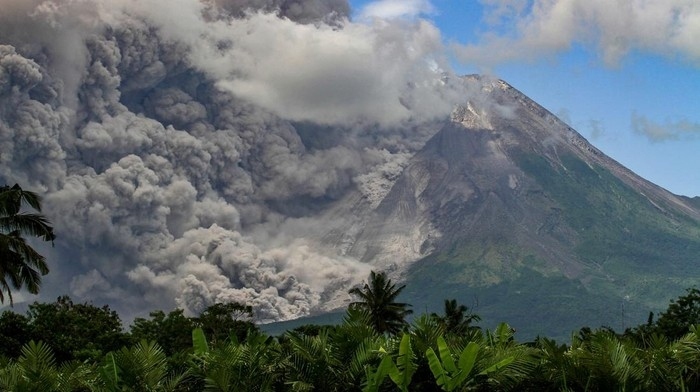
(428, 354)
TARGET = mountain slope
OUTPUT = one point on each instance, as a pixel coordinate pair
(510, 210)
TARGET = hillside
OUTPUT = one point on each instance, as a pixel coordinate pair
(515, 214)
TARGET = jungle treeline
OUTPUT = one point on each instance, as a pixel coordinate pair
(64, 346)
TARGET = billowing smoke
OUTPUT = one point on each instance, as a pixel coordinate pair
(187, 148)
(300, 11)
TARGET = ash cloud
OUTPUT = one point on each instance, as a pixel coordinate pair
(300, 11)
(187, 149)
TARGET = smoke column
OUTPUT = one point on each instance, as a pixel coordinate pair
(186, 150)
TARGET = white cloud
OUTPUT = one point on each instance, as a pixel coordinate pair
(327, 74)
(670, 130)
(615, 28)
(390, 9)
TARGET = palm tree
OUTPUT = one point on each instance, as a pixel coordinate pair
(20, 265)
(143, 367)
(457, 319)
(36, 370)
(377, 299)
(313, 362)
(601, 361)
(252, 365)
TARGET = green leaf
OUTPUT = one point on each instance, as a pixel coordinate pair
(110, 372)
(405, 367)
(376, 377)
(498, 366)
(446, 356)
(441, 378)
(468, 357)
(199, 342)
(466, 362)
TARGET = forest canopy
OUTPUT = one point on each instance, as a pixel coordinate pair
(79, 347)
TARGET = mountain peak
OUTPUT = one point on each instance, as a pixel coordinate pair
(506, 190)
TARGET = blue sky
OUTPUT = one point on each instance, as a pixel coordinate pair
(625, 74)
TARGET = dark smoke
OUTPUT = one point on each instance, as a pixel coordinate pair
(187, 150)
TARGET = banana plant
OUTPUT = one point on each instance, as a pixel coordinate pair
(450, 375)
(400, 371)
(405, 366)
(109, 373)
(375, 377)
(199, 342)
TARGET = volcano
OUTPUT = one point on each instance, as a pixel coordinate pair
(512, 212)
(274, 156)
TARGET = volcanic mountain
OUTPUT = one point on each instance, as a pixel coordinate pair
(275, 158)
(513, 213)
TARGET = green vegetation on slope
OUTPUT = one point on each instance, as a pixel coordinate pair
(617, 227)
(632, 254)
(534, 304)
(642, 251)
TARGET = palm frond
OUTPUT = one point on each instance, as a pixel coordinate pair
(12, 377)
(18, 248)
(76, 376)
(13, 198)
(21, 265)
(35, 225)
(39, 365)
